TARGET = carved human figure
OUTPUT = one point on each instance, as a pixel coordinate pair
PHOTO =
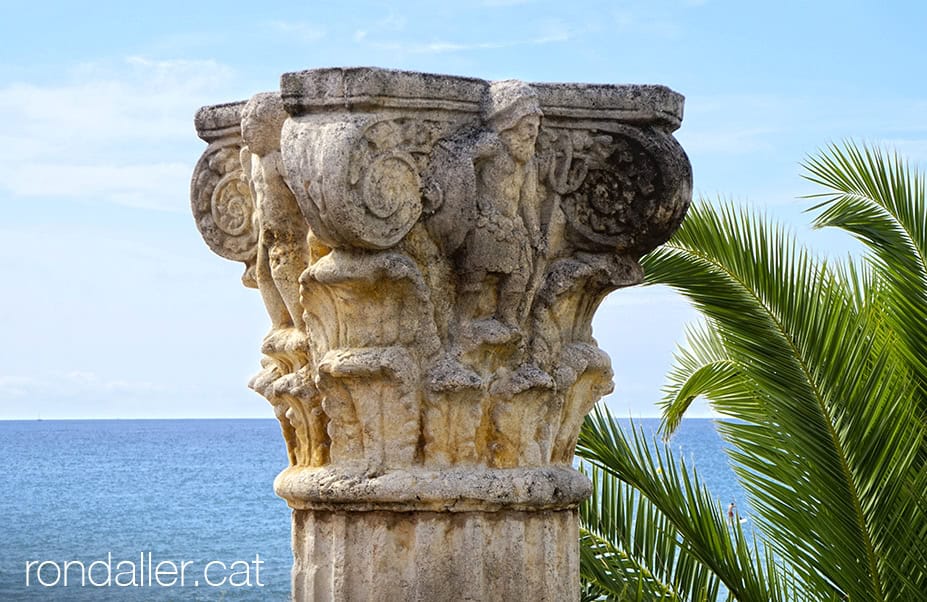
(431, 360)
(282, 252)
(505, 237)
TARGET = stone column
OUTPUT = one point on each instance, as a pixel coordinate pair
(431, 250)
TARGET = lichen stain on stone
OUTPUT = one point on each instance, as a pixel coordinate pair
(431, 251)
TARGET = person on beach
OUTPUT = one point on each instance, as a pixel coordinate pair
(730, 513)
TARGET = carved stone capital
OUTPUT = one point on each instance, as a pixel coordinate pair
(431, 250)
(220, 200)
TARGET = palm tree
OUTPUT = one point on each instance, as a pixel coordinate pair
(819, 371)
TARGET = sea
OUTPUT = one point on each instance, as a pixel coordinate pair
(178, 509)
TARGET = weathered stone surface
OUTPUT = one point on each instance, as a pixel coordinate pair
(221, 202)
(434, 557)
(431, 250)
(456, 489)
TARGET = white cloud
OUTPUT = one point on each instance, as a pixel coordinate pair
(646, 22)
(16, 387)
(105, 131)
(748, 121)
(392, 22)
(731, 141)
(75, 384)
(160, 186)
(913, 149)
(655, 297)
(739, 124)
(301, 31)
(549, 32)
(440, 46)
(81, 394)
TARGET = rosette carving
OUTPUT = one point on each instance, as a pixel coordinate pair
(431, 251)
(222, 204)
(624, 190)
(219, 196)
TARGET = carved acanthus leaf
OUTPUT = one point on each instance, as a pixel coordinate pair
(459, 236)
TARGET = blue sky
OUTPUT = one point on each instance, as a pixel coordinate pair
(112, 305)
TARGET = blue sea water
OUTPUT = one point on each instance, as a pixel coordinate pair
(195, 491)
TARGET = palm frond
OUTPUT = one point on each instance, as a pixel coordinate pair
(822, 415)
(695, 540)
(882, 201)
(623, 526)
(701, 365)
(613, 574)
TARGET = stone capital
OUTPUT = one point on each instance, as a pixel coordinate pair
(431, 250)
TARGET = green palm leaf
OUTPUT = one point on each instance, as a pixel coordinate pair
(823, 406)
(660, 514)
(630, 550)
(881, 200)
(701, 366)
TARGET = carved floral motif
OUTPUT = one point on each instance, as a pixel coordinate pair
(431, 264)
(220, 200)
(430, 251)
